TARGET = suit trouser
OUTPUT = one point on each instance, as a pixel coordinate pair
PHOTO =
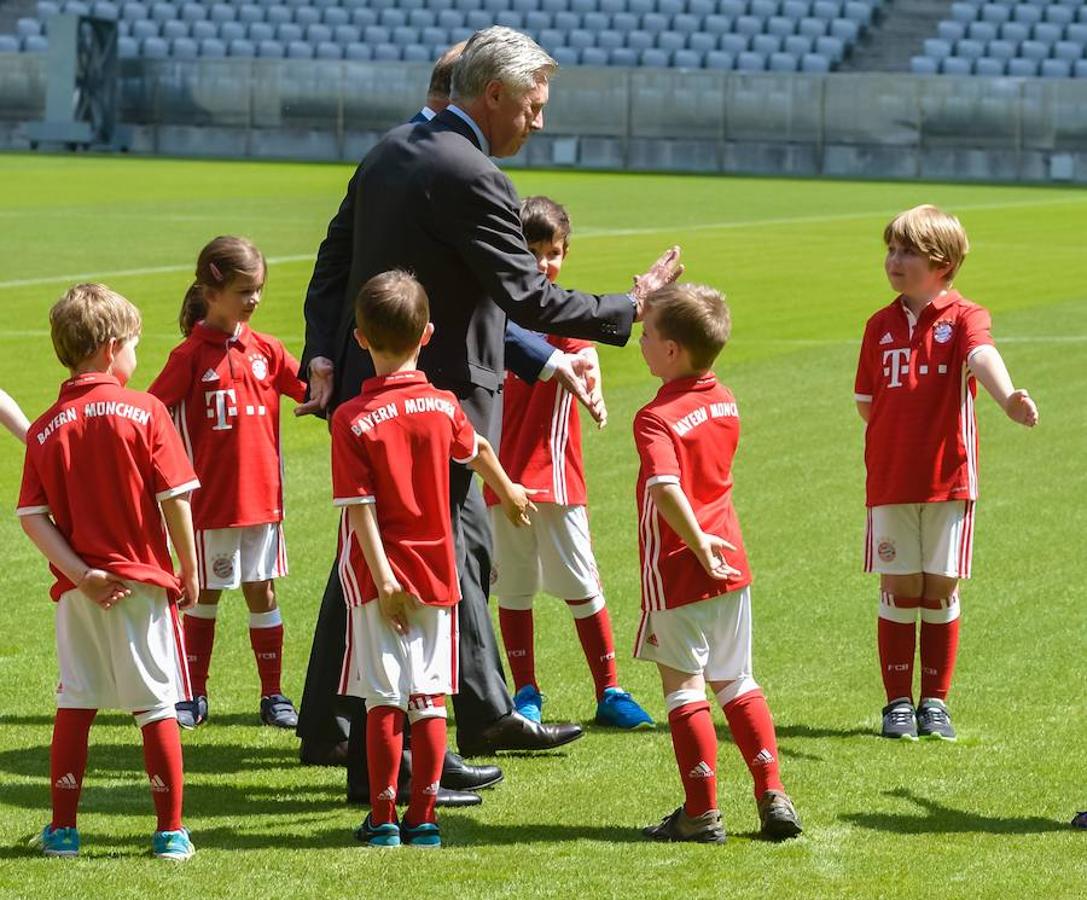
(483, 696)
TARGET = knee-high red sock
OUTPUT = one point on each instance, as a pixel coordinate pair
(199, 640)
(897, 638)
(939, 646)
(428, 737)
(695, 744)
(752, 729)
(266, 638)
(384, 744)
(518, 637)
(597, 643)
(68, 762)
(162, 759)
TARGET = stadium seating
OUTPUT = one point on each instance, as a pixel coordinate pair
(748, 35)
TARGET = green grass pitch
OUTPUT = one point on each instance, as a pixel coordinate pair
(801, 262)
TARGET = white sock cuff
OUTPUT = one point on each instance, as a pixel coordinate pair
(203, 611)
(154, 714)
(743, 685)
(400, 703)
(588, 608)
(892, 613)
(676, 699)
(428, 712)
(521, 603)
(266, 619)
(948, 611)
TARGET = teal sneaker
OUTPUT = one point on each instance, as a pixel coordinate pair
(528, 701)
(173, 845)
(426, 835)
(384, 835)
(619, 710)
(57, 841)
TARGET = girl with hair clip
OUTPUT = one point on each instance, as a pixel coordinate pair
(223, 384)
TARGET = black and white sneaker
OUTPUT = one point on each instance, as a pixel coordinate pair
(934, 721)
(678, 826)
(277, 711)
(192, 713)
(899, 720)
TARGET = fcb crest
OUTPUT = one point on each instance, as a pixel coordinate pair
(942, 332)
(260, 367)
(886, 550)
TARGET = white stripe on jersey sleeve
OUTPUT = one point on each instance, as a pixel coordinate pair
(353, 501)
(662, 479)
(32, 511)
(170, 493)
(474, 454)
(863, 398)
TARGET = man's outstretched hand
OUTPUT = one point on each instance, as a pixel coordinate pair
(574, 373)
(663, 272)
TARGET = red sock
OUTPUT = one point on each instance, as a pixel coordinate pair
(384, 743)
(597, 642)
(162, 759)
(897, 644)
(428, 737)
(68, 762)
(199, 639)
(267, 646)
(752, 729)
(695, 743)
(939, 648)
(517, 636)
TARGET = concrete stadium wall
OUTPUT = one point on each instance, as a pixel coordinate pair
(867, 125)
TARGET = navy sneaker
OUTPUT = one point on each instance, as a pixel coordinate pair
(899, 720)
(57, 841)
(934, 721)
(1080, 821)
(426, 835)
(382, 836)
(619, 710)
(192, 713)
(277, 711)
(703, 829)
(528, 701)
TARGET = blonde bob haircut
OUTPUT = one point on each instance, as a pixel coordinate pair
(936, 235)
(88, 316)
(694, 316)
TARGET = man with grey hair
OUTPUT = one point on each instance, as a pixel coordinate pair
(431, 201)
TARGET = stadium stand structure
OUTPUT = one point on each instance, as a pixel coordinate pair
(744, 35)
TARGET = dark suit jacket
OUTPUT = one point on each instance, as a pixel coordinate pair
(437, 206)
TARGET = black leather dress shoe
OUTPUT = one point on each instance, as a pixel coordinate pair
(361, 797)
(317, 753)
(515, 732)
(459, 776)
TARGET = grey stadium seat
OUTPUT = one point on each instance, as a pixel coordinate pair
(997, 13)
(749, 25)
(861, 13)
(128, 48)
(163, 12)
(579, 39)
(550, 38)
(968, 49)
(797, 45)
(826, 9)
(622, 56)
(405, 36)
(956, 65)
(358, 51)
(763, 8)
(172, 30)
(334, 15)
(1069, 51)
(1079, 70)
(241, 48)
(687, 24)
(154, 48)
(638, 7)
(250, 13)
(1034, 50)
(330, 50)
(780, 26)
(232, 31)
(130, 12)
(307, 15)
(144, 29)
(830, 47)
(812, 27)
(796, 9)
(270, 49)
(720, 60)
(1077, 32)
(732, 8)
(845, 30)
(594, 56)
(417, 53)
(1001, 50)
(924, 65)
(655, 58)
(565, 56)
(317, 33)
(654, 23)
(640, 40)
(1055, 68)
(671, 41)
(537, 20)
(815, 62)
(687, 59)
(702, 42)
(716, 24)
(431, 36)
(447, 18)
(593, 21)
(376, 34)
(783, 62)
(1048, 33)
(212, 48)
(261, 31)
(1022, 68)
(391, 18)
(278, 15)
(9, 43)
(981, 31)
(627, 22)
(288, 32)
(734, 43)
(184, 48)
(567, 21)
(964, 12)
(76, 7)
(201, 31)
(221, 12)
(992, 68)
(299, 50)
(609, 40)
(36, 43)
(749, 61)
(363, 18)
(47, 8)
(668, 7)
(104, 9)
(950, 30)
(936, 49)
(1059, 15)
(1030, 15)
(1016, 32)
(510, 18)
(765, 44)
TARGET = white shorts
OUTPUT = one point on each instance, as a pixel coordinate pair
(909, 538)
(386, 668)
(130, 657)
(554, 553)
(228, 557)
(711, 637)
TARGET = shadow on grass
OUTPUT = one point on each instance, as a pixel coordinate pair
(939, 819)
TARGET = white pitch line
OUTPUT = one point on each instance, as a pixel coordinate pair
(587, 233)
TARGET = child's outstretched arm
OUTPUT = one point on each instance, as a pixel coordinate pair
(513, 497)
(100, 586)
(988, 367)
(392, 599)
(177, 512)
(12, 418)
(709, 549)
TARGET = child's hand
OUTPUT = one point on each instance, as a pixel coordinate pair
(1020, 408)
(518, 505)
(710, 552)
(394, 601)
(102, 588)
(190, 590)
(596, 396)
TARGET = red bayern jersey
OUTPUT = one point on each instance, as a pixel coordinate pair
(541, 437)
(687, 435)
(224, 392)
(921, 441)
(391, 446)
(99, 461)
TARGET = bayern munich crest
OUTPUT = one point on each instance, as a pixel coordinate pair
(260, 367)
(942, 332)
(886, 550)
(223, 567)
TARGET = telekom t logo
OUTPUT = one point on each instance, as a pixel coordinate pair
(221, 405)
(896, 363)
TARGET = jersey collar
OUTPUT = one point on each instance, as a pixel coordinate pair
(87, 380)
(397, 379)
(205, 332)
(702, 382)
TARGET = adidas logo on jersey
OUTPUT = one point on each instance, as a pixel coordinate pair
(158, 785)
(209, 375)
(886, 339)
(68, 782)
(764, 757)
(702, 770)
(388, 794)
